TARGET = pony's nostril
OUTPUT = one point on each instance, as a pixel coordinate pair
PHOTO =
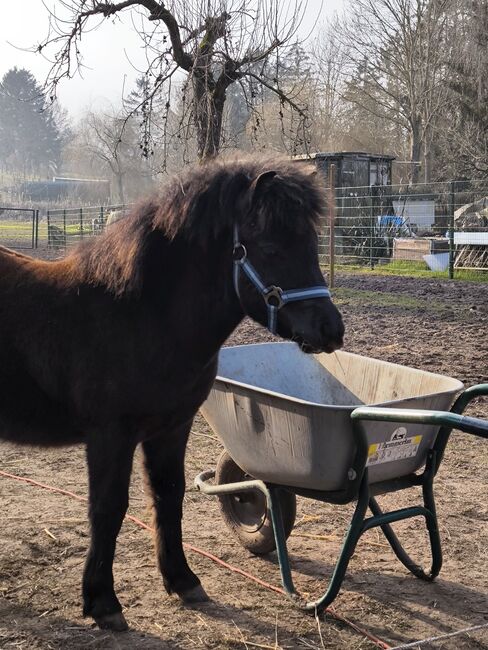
(334, 332)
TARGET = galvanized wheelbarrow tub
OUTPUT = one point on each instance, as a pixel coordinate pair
(336, 428)
(285, 417)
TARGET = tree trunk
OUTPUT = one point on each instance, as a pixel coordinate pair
(209, 108)
(428, 157)
(120, 187)
(427, 165)
(415, 148)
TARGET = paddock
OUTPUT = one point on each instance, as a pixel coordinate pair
(430, 324)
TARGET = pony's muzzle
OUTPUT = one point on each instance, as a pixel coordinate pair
(315, 327)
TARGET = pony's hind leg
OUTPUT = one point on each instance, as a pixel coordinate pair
(109, 455)
(164, 464)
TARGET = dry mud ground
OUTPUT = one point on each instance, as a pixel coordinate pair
(438, 326)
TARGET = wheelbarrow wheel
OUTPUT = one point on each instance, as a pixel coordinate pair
(247, 514)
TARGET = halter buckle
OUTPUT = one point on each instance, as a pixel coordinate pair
(274, 297)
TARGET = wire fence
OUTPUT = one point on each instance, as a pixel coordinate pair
(66, 227)
(54, 230)
(439, 227)
(434, 228)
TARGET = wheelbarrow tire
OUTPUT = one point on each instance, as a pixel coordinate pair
(247, 515)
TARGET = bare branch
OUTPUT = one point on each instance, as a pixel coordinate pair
(282, 95)
(213, 44)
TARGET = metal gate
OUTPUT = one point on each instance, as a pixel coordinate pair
(68, 226)
(19, 227)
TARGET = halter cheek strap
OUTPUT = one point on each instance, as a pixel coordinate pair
(274, 297)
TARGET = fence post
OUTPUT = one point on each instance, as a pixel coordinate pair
(371, 228)
(451, 229)
(332, 213)
(37, 229)
(33, 242)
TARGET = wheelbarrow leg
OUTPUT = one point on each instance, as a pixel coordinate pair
(429, 512)
(350, 541)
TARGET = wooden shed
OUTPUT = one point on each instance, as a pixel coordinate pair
(354, 168)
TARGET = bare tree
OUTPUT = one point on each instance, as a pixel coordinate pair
(213, 44)
(106, 142)
(329, 106)
(398, 46)
(272, 122)
(463, 139)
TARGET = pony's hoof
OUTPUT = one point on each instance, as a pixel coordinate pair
(194, 595)
(115, 622)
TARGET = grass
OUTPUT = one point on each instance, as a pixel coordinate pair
(18, 233)
(21, 231)
(16, 225)
(414, 270)
(346, 296)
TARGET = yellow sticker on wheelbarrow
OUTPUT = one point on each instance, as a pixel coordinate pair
(398, 447)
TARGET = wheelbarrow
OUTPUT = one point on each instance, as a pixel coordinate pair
(336, 428)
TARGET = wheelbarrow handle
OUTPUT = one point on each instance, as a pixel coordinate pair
(475, 426)
(471, 393)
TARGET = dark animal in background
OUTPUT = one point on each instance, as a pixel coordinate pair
(56, 237)
(116, 345)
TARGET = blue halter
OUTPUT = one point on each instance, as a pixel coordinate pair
(274, 297)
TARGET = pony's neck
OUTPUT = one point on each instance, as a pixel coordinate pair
(202, 292)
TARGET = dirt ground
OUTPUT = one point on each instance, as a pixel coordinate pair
(438, 326)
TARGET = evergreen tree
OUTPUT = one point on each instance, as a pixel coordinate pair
(30, 140)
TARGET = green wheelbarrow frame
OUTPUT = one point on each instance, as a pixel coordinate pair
(360, 490)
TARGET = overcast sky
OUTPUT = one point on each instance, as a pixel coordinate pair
(110, 52)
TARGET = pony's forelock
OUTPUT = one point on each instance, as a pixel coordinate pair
(207, 200)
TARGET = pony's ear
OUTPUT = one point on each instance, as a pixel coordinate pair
(259, 184)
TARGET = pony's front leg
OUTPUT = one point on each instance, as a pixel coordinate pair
(109, 456)
(164, 463)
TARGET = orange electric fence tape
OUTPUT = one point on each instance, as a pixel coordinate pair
(331, 611)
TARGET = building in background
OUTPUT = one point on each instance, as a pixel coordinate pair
(354, 168)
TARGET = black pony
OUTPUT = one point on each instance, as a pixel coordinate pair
(117, 344)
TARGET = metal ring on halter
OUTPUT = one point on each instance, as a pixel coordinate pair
(274, 293)
(239, 248)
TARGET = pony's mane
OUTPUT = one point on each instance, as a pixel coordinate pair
(8, 252)
(200, 204)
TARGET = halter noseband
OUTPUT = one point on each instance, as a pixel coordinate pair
(274, 297)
